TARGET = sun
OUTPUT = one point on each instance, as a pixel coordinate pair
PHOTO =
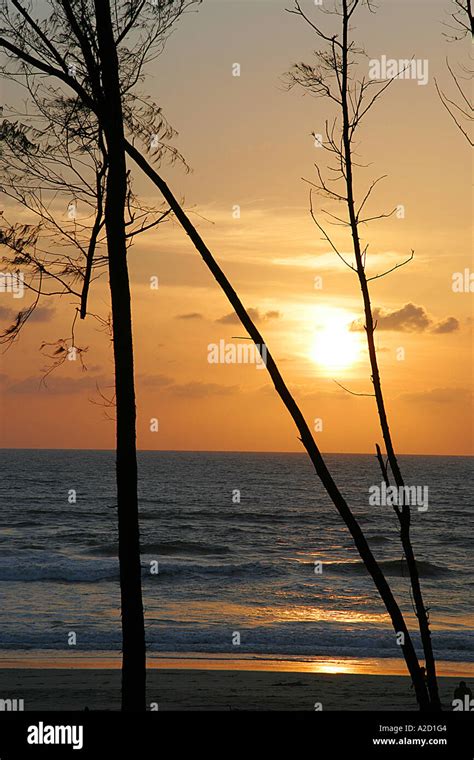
(335, 347)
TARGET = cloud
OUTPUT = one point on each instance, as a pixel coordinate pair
(327, 261)
(40, 314)
(6, 313)
(439, 396)
(192, 315)
(57, 385)
(193, 389)
(448, 325)
(200, 390)
(410, 318)
(254, 314)
(312, 395)
(232, 318)
(155, 381)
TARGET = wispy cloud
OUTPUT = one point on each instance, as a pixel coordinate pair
(439, 396)
(40, 314)
(232, 318)
(202, 390)
(155, 381)
(57, 385)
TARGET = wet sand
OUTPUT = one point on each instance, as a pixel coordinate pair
(216, 689)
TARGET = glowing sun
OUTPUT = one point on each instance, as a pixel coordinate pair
(335, 347)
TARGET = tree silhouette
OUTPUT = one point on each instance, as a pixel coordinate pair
(125, 67)
(459, 105)
(334, 77)
(84, 45)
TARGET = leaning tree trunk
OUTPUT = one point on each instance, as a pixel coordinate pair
(133, 628)
(404, 515)
(306, 436)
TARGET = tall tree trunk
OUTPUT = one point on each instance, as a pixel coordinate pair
(403, 515)
(306, 436)
(133, 627)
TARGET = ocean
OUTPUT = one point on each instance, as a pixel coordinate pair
(229, 546)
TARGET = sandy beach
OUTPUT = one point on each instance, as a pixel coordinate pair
(216, 689)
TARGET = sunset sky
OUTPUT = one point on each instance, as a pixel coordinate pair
(248, 142)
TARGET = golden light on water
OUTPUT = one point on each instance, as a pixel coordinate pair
(331, 668)
(238, 613)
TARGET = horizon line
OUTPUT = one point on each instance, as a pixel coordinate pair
(230, 451)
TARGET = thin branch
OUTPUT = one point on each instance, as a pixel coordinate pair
(397, 266)
(352, 392)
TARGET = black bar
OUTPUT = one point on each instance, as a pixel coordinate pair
(245, 734)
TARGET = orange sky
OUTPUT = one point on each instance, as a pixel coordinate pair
(248, 142)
